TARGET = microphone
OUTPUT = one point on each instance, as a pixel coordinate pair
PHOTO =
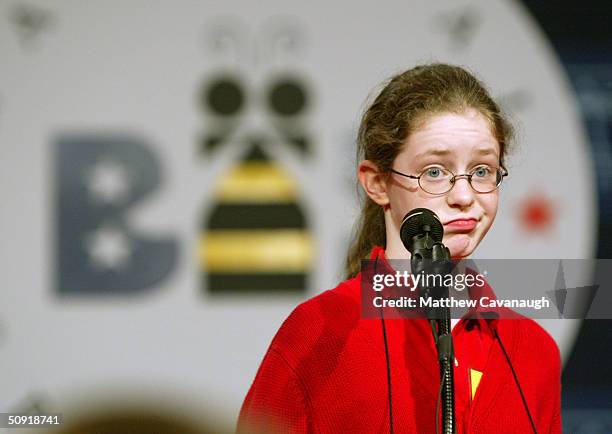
(421, 233)
(421, 230)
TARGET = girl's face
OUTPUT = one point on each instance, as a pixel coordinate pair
(459, 143)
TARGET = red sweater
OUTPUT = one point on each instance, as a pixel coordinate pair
(326, 372)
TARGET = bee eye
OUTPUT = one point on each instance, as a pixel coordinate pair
(223, 96)
(287, 98)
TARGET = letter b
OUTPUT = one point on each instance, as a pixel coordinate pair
(98, 179)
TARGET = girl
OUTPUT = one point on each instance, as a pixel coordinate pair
(433, 138)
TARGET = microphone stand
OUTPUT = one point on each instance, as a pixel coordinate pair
(434, 258)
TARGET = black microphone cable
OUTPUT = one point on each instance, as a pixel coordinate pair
(438, 404)
(515, 379)
(384, 332)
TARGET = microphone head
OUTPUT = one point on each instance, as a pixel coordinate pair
(418, 222)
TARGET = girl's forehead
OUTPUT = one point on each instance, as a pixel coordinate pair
(452, 133)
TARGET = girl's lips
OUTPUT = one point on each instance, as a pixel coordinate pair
(462, 225)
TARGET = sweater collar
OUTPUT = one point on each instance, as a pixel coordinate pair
(480, 316)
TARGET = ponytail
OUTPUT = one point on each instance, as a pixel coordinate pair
(370, 232)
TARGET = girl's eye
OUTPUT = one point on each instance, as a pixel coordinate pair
(481, 172)
(433, 172)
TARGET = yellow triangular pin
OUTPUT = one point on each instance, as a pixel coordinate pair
(475, 377)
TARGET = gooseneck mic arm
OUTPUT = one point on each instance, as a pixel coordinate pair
(421, 233)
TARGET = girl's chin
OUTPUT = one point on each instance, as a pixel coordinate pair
(459, 246)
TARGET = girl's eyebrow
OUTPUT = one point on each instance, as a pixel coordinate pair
(438, 151)
(447, 151)
(486, 151)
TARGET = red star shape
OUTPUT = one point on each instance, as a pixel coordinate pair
(536, 213)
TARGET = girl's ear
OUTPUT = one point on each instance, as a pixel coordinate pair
(373, 182)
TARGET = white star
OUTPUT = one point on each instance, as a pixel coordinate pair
(108, 182)
(108, 247)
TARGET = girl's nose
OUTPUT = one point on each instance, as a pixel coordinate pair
(462, 194)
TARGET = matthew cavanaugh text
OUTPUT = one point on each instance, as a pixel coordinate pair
(460, 303)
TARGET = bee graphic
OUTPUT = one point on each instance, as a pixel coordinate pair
(256, 237)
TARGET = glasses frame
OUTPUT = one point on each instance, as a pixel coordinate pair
(468, 176)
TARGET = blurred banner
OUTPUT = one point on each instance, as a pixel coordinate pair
(175, 177)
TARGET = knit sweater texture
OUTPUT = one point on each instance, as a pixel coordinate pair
(326, 372)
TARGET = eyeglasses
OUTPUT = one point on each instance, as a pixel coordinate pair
(439, 180)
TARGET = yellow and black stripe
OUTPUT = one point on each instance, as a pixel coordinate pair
(256, 238)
